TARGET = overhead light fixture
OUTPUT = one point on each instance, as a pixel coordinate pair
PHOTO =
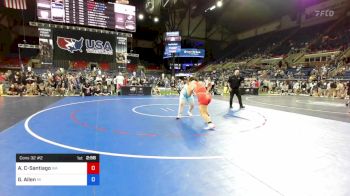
(219, 3)
(166, 3)
(156, 19)
(212, 7)
(141, 16)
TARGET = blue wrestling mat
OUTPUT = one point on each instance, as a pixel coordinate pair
(143, 149)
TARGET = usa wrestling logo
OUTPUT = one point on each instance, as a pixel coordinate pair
(98, 47)
(70, 44)
(91, 46)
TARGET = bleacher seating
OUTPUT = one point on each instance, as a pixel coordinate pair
(302, 38)
(347, 75)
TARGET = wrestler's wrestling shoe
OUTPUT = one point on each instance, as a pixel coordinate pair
(178, 117)
(189, 114)
(210, 126)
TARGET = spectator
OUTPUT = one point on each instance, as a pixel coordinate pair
(332, 89)
(86, 89)
(119, 81)
(2, 77)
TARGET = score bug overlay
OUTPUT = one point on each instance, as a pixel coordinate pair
(57, 169)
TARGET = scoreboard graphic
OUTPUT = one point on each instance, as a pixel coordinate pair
(173, 43)
(57, 170)
(88, 13)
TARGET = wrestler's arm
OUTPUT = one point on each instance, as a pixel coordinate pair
(190, 89)
(209, 87)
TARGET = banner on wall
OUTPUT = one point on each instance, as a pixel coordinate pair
(81, 45)
(121, 49)
(45, 45)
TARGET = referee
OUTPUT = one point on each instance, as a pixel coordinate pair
(234, 83)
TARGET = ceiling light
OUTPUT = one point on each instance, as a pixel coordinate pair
(141, 16)
(219, 3)
(156, 19)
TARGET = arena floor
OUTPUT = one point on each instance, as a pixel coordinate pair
(289, 145)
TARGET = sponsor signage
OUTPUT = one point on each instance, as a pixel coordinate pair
(133, 55)
(249, 91)
(172, 34)
(126, 2)
(173, 39)
(187, 52)
(136, 90)
(44, 33)
(30, 46)
(125, 17)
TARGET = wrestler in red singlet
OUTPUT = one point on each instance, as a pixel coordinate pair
(204, 99)
(203, 96)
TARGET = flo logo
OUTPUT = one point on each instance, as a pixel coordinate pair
(325, 13)
(70, 44)
(91, 46)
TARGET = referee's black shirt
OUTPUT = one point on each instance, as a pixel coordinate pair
(235, 81)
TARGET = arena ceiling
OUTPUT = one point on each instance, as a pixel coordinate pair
(240, 15)
(235, 15)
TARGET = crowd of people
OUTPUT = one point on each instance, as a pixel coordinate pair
(96, 83)
(65, 83)
(316, 82)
